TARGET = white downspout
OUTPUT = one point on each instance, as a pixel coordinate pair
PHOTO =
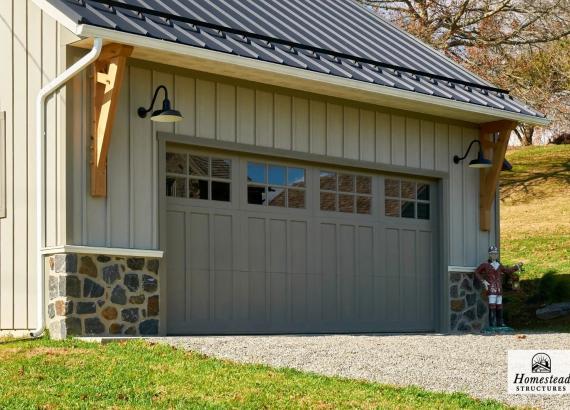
(44, 93)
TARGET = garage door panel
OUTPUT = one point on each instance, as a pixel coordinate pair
(366, 296)
(347, 297)
(278, 245)
(387, 298)
(199, 295)
(222, 294)
(257, 297)
(198, 248)
(425, 299)
(279, 299)
(176, 301)
(299, 291)
(223, 246)
(328, 241)
(425, 253)
(241, 290)
(330, 303)
(315, 301)
(299, 247)
(425, 277)
(256, 244)
(346, 251)
(408, 299)
(408, 253)
(392, 252)
(366, 250)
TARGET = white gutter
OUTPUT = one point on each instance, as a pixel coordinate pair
(249, 63)
(44, 93)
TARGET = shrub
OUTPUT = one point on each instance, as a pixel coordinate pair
(563, 138)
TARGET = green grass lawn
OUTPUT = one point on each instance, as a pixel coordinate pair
(535, 226)
(72, 374)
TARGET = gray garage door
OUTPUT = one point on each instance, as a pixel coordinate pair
(258, 245)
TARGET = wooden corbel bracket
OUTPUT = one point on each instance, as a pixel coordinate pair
(494, 137)
(108, 73)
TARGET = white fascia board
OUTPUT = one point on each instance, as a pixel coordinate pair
(463, 269)
(57, 15)
(218, 57)
(97, 250)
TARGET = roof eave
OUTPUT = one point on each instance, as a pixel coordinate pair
(88, 31)
(59, 16)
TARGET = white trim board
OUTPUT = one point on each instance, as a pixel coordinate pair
(466, 269)
(96, 250)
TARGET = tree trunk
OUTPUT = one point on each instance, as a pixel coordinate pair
(524, 134)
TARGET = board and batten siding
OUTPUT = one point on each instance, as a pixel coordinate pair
(221, 109)
(33, 47)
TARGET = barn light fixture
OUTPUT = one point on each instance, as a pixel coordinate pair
(167, 114)
(479, 162)
(507, 166)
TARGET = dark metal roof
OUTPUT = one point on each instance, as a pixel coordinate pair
(336, 37)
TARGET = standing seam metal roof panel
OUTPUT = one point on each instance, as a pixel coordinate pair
(323, 36)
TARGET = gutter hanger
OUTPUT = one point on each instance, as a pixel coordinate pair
(44, 93)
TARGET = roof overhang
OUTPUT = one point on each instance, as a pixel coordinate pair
(230, 65)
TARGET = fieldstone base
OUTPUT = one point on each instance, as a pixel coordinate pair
(92, 295)
(468, 310)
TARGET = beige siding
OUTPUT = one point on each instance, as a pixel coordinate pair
(24, 32)
(224, 110)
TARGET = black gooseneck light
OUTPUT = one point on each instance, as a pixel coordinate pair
(479, 162)
(167, 114)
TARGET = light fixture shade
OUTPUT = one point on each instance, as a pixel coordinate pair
(480, 162)
(166, 116)
(506, 166)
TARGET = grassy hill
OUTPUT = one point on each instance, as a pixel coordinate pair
(535, 224)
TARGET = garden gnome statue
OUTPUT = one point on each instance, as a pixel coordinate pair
(490, 274)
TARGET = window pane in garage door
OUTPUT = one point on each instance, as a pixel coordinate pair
(346, 193)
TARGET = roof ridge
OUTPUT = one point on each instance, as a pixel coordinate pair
(162, 14)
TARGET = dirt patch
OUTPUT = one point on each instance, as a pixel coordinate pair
(39, 351)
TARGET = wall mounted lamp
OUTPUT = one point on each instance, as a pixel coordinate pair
(479, 162)
(167, 114)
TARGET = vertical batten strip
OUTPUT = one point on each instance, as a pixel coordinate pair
(20, 169)
(7, 224)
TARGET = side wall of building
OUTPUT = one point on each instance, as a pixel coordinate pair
(229, 110)
(33, 50)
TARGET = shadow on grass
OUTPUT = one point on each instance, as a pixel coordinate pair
(521, 305)
(13, 340)
(523, 181)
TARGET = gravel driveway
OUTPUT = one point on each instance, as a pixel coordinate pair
(469, 363)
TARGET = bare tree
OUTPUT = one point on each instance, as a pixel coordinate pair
(453, 25)
(520, 45)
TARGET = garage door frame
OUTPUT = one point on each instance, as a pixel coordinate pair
(441, 321)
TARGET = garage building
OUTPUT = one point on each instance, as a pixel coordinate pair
(294, 173)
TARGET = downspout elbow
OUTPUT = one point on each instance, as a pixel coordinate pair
(44, 93)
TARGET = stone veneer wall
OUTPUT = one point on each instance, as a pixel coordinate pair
(468, 310)
(98, 295)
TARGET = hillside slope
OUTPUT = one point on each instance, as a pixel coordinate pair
(535, 221)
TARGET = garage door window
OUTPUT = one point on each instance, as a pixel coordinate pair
(198, 177)
(276, 185)
(345, 192)
(407, 199)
